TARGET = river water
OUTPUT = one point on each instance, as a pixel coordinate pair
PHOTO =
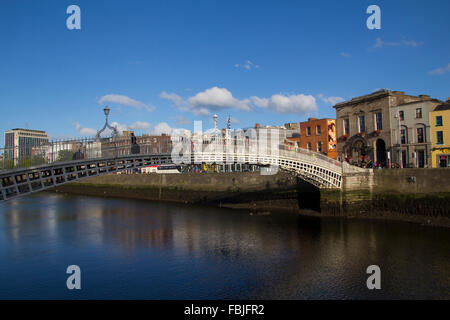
(131, 249)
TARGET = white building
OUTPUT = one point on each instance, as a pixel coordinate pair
(20, 142)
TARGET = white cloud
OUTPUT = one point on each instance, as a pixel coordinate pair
(279, 103)
(346, 55)
(137, 126)
(439, 71)
(125, 101)
(84, 131)
(403, 43)
(162, 127)
(140, 125)
(248, 65)
(330, 100)
(120, 127)
(176, 99)
(212, 99)
(216, 99)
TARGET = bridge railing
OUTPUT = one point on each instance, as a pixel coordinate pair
(90, 148)
(28, 154)
(53, 152)
(300, 151)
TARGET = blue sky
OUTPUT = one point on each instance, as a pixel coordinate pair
(162, 64)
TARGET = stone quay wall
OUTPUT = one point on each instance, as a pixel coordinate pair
(419, 195)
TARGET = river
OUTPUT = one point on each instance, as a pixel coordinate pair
(131, 249)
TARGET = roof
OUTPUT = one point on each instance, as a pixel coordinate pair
(420, 101)
(371, 96)
(442, 107)
(316, 120)
(29, 130)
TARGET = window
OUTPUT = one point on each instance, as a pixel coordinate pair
(308, 146)
(379, 121)
(346, 126)
(362, 124)
(319, 146)
(439, 137)
(419, 113)
(444, 161)
(318, 130)
(308, 131)
(401, 114)
(420, 138)
(403, 136)
(438, 121)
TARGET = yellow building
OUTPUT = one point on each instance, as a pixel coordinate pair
(440, 135)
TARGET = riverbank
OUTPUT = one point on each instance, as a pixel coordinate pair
(271, 194)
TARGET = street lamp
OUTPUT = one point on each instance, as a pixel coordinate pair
(114, 129)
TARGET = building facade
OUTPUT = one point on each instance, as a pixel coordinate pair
(20, 142)
(440, 135)
(365, 127)
(411, 142)
(148, 144)
(319, 135)
(292, 143)
(54, 151)
(280, 133)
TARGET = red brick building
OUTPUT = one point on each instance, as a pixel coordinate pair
(147, 144)
(319, 135)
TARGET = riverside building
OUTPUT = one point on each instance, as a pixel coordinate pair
(20, 142)
(368, 130)
(440, 135)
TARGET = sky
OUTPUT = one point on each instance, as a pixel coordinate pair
(159, 65)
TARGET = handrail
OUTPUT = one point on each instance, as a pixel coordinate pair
(13, 158)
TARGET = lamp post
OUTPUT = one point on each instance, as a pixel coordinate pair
(107, 125)
(106, 111)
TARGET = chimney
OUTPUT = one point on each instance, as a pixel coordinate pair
(257, 125)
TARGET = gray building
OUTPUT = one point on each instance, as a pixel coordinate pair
(410, 130)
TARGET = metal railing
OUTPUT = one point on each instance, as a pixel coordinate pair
(90, 148)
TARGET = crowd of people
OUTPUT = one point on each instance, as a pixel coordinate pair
(365, 162)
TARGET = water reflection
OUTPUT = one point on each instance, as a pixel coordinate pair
(156, 250)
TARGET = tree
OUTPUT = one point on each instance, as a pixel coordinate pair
(37, 160)
(64, 155)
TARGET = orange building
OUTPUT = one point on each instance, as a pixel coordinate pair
(319, 135)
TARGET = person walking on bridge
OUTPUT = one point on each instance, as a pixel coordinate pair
(135, 149)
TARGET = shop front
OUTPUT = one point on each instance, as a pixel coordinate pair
(441, 158)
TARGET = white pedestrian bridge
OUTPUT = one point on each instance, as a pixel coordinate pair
(313, 167)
